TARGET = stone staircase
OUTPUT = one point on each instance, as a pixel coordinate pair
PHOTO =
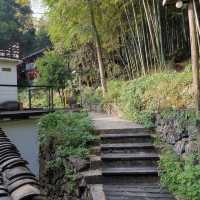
(126, 165)
(129, 166)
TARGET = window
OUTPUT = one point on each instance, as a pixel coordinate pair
(6, 69)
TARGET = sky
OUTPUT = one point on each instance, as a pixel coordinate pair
(37, 7)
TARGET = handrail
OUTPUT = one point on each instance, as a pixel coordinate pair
(27, 86)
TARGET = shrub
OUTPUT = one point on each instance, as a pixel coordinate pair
(91, 96)
(71, 134)
(114, 91)
(63, 135)
(182, 177)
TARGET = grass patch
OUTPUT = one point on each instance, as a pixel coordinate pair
(140, 98)
(182, 177)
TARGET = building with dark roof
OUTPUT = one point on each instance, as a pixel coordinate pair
(17, 182)
(27, 70)
(9, 58)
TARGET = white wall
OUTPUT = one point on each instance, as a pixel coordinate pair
(8, 78)
(24, 134)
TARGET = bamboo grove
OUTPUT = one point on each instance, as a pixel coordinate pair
(137, 37)
(151, 36)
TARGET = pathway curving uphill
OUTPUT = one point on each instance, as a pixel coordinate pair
(16, 180)
(128, 161)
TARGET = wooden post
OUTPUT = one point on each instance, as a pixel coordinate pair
(194, 56)
(52, 102)
(30, 98)
(49, 91)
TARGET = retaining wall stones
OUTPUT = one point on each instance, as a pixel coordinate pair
(183, 137)
(55, 183)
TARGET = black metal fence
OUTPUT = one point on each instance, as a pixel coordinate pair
(27, 97)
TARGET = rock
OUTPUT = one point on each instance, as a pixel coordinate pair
(180, 146)
(185, 134)
(78, 163)
(193, 130)
(172, 137)
(191, 147)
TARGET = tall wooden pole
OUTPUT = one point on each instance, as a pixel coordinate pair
(194, 56)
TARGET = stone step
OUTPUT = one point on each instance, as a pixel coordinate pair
(97, 192)
(96, 150)
(92, 176)
(138, 196)
(136, 156)
(122, 135)
(95, 162)
(128, 179)
(134, 187)
(124, 130)
(130, 171)
(130, 160)
(127, 145)
(130, 163)
(96, 177)
(128, 148)
(115, 195)
(136, 191)
(126, 138)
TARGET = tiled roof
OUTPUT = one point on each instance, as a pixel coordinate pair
(17, 182)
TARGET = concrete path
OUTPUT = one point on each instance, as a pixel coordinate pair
(106, 122)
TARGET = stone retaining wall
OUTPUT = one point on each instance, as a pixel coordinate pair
(183, 138)
(55, 184)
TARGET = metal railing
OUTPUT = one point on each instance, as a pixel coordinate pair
(28, 97)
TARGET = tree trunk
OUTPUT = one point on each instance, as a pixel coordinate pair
(98, 48)
(194, 55)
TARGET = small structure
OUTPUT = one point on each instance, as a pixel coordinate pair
(27, 70)
(8, 74)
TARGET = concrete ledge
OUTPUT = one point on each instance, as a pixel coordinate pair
(97, 192)
(92, 176)
(95, 162)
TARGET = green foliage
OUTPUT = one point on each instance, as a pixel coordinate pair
(71, 20)
(66, 134)
(53, 69)
(70, 132)
(39, 98)
(139, 98)
(91, 96)
(184, 118)
(71, 180)
(182, 177)
(42, 36)
(16, 25)
(114, 91)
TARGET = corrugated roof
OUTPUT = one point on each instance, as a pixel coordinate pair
(17, 182)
